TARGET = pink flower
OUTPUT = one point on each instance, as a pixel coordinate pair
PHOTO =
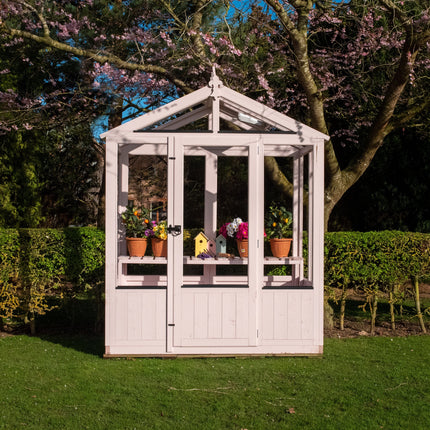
(243, 231)
(223, 230)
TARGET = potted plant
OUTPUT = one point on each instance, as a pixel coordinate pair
(238, 230)
(278, 229)
(137, 229)
(159, 238)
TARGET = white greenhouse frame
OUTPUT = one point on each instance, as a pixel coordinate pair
(173, 314)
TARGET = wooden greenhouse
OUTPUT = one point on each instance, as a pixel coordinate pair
(158, 306)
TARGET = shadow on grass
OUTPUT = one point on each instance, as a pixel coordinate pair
(72, 325)
(82, 342)
(404, 311)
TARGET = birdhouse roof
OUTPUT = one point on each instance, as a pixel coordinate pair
(201, 234)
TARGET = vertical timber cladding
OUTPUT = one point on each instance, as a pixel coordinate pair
(210, 314)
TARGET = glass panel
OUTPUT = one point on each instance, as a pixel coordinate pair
(232, 204)
(278, 203)
(194, 193)
(147, 183)
(286, 216)
(194, 201)
(147, 189)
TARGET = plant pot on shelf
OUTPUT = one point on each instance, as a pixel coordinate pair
(280, 247)
(242, 247)
(159, 247)
(136, 246)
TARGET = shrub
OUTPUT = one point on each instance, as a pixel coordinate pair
(38, 264)
(374, 262)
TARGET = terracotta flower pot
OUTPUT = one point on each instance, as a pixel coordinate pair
(242, 247)
(280, 247)
(159, 247)
(136, 246)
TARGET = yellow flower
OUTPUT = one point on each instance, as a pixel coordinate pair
(286, 220)
(136, 213)
(274, 224)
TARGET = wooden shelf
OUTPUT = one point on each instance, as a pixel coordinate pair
(124, 259)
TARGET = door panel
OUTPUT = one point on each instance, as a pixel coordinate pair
(205, 315)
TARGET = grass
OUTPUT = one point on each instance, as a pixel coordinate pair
(61, 382)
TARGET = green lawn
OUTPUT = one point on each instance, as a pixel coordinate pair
(364, 383)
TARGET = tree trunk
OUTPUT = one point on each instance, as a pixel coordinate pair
(275, 174)
(33, 325)
(392, 316)
(342, 309)
(328, 315)
(418, 304)
(373, 309)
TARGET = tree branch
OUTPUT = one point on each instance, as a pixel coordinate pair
(305, 77)
(101, 58)
(283, 16)
(196, 23)
(278, 178)
(383, 121)
(39, 15)
(407, 115)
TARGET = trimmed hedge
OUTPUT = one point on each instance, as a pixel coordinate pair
(374, 263)
(36, 264)
(377, 259)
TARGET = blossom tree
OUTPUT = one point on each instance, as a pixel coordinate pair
(354, 70)
(361, 36)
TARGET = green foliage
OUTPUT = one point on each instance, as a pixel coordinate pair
(278, 222)
(373, 263)
(20, 184)
(48, 156)
(136, 221)
(38, 264)
(43, 179)
(375, 259)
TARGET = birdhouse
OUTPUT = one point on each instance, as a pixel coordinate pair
(200, 244)
(221, 244)
(211, 248)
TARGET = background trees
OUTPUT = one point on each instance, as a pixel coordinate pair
(357, 70)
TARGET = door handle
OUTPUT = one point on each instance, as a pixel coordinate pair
(174, 230)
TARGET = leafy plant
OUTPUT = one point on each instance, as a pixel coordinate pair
(137, 222)
(278, 222)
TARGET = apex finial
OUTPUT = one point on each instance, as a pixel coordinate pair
(215, 82)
